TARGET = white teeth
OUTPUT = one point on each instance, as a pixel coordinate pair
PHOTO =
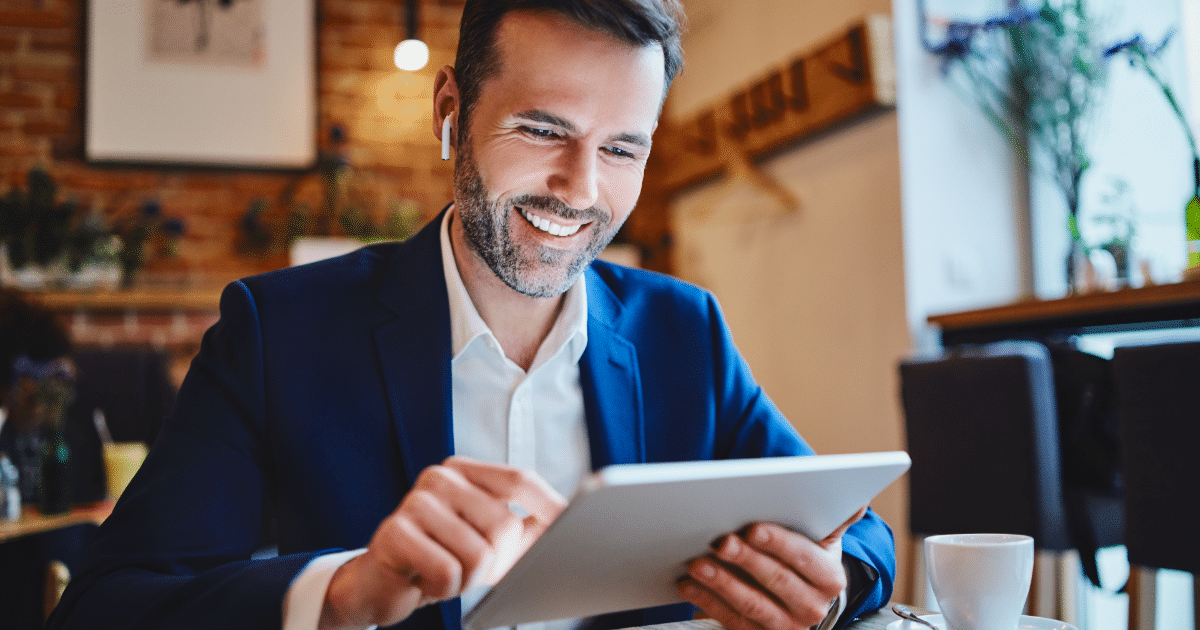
(546, 225)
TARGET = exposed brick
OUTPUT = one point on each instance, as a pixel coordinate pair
(19, 100)
(67, 98)
(44, 127)
(25, 70)
(8, 43)
(19, 148)
(35, 18)
(59, 41)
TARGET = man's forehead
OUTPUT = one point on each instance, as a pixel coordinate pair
(545, 51)
(520, 30)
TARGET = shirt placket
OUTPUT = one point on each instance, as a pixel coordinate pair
(522, 442)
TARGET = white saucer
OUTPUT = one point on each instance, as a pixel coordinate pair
(1024, 623)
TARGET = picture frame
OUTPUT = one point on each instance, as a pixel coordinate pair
(219, 83)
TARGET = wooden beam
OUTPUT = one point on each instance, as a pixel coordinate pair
(849, 75)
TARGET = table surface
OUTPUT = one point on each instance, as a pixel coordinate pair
(31, 522)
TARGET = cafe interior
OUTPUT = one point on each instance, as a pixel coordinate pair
(965, 229)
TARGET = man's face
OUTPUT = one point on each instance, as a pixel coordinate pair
(555, 151)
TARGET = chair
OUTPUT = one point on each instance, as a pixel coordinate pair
(1159, 418)
(983, 433)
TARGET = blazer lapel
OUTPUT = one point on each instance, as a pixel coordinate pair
(612, 390)
(414, 351)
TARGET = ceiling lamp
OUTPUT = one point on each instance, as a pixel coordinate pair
(411, 54)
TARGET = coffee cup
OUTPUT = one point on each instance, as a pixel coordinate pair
(980, 581)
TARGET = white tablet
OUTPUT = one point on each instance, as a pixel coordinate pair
(626, 536)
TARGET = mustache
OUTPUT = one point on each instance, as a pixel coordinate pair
(553, 206)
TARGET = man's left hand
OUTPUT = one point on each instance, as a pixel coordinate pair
(768, 578)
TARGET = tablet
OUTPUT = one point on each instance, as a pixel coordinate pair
(625, 537)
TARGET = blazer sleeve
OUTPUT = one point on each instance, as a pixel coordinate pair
(176, 551)
(754, 427)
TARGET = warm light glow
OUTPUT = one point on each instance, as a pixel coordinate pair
(412, 54)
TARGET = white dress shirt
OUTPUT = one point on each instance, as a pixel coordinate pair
(502, 414)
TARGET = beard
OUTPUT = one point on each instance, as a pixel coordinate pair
(529, 269)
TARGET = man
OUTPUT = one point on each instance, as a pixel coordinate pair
(330, 394)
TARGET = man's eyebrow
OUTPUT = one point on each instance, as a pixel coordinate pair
(544, 117)
(537, 115)
(635, 139)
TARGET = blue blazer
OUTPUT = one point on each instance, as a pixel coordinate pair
(325, 389)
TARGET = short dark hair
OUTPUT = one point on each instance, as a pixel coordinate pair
(637, 22)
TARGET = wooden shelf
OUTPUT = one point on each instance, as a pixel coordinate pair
(31, 522)
(204, 298)
(1129, 309)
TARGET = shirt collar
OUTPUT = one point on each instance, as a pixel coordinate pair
(569, 330)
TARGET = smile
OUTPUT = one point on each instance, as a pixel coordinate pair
(548, 226)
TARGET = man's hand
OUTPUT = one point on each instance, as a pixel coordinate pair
(770, 578)
(453, 530)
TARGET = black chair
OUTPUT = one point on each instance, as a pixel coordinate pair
(984, 435)
(1159, 415)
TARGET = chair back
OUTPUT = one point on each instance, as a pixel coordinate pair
(982, 433)
(1158, 411)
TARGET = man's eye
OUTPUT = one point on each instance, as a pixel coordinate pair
(619, 152)
(538, 132)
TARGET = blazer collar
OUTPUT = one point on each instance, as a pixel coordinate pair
(414, 351)
(612, 388)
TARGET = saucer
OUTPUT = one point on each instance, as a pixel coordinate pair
(1024, 623)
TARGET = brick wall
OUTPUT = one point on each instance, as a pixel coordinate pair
(386, 114)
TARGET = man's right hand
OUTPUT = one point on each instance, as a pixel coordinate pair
(454, 530)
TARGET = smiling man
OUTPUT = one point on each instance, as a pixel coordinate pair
(382, 410)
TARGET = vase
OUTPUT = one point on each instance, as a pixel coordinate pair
(1191, 215)
(57, 474)
(1077, 265)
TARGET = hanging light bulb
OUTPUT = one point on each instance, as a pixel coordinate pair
(411, 54)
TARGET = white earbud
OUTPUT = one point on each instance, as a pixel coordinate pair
(446, 137)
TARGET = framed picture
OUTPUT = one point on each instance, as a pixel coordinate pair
(203, 82)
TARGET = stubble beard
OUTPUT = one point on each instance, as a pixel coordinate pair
(533, 271)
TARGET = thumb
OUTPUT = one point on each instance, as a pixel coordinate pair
(841, 530)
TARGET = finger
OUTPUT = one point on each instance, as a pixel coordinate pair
(778, 580)
(474, 553)
(512, 484)
(703, 598)
(818, 564)
(489, 515)
(743, 599)
(416, 559)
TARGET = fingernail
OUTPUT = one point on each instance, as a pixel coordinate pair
(707, 571)
(761, 536)
(690, 591)
(732, 546)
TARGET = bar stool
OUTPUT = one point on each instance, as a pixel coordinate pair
(983, 434)
(1159, 417)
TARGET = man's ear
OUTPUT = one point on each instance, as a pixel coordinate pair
(445, 100)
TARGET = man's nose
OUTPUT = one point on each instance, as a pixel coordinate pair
(574, 180)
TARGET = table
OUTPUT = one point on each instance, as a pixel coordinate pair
(31, 522)
(877, 620)
(1160, 306)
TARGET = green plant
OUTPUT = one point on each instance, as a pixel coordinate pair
(1040, 86)
(37, 229)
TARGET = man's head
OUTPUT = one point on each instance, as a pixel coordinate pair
(635, 22)
(553, 138)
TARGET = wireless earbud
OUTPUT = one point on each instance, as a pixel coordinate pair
(446, 137)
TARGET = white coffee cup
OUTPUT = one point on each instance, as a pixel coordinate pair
(980, 580)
